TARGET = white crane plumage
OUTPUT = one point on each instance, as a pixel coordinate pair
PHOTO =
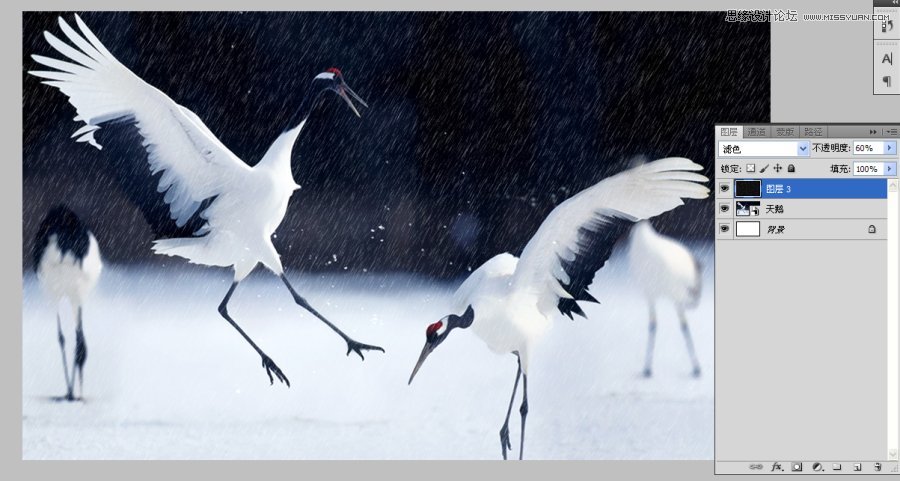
(67, 263)
(510, 302)
(664, 269)
(224, 210)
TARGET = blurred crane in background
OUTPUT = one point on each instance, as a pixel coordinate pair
(67, 262)
(664, 269)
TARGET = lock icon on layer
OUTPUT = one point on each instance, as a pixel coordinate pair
(871, 229)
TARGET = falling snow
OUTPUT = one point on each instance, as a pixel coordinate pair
(466, 147)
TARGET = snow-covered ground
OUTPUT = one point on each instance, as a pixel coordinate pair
(167, 378)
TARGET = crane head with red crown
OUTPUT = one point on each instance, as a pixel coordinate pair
(436, 332)
(332, 79)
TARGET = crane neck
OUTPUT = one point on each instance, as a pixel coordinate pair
(278, 156)
(306, 107)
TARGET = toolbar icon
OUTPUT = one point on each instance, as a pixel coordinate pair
(887, 80)
(889, 58)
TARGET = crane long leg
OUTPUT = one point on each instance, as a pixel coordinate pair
(267, 362)
(523, 410)
(504, 431)
(80, 356)
(352, 346)
(651, 339)
(62, 349)
(690, 343)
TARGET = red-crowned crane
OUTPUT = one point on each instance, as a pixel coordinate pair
(223, 211)
(67, 263)
(664, 269)
(510, 302)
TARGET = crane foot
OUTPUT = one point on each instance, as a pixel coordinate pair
(358, 348)
(271, 368)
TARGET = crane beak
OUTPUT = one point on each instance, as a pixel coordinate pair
(425, 352)
(347, 93)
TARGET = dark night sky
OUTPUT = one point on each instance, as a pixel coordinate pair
(480, 123)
